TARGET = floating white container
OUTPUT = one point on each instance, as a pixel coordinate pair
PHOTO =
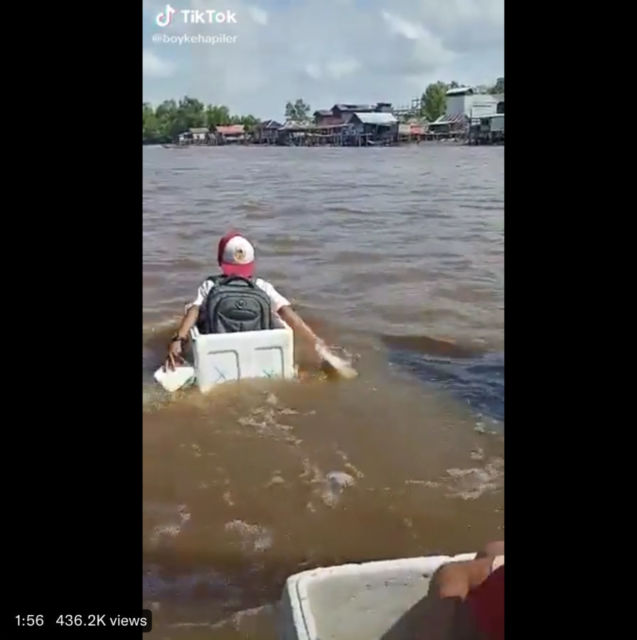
(222, 357)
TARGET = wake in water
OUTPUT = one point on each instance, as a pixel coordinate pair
(476, 378)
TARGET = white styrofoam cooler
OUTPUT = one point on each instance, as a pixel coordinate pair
(222, 357)
(368, 601)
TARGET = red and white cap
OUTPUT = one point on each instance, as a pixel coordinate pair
(236, 255)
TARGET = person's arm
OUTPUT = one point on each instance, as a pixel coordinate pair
(326, 358)
(492, 549)
(449, 616)
(297, 324)
(175, 348)
(456, 579)
(283, 307)
(189, 320)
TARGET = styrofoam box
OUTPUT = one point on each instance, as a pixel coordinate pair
(368, 601)
(223, 357)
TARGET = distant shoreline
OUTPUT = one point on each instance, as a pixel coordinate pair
(440, 141)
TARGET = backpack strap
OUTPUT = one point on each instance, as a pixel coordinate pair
(229, 279)
(222, 279)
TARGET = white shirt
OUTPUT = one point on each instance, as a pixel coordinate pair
(276, 299)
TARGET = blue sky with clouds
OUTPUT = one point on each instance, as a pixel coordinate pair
(324, 51)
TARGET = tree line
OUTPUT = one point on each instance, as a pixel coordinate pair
(164, 123)
(171, 118)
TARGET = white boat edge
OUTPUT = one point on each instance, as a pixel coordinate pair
(297, 621)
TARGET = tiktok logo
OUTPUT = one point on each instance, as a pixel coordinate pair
(163, 19)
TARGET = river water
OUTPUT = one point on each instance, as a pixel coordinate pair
(395, 255)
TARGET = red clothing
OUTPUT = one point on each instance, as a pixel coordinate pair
(486, 602)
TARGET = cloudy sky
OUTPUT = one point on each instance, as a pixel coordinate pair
(324, 51)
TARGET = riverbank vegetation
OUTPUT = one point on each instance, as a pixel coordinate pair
(165, 122)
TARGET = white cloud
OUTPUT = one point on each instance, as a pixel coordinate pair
(341, 68)
(424, 52)
(327, 52)
(409, 30)
(155, 67)
(314, 71)
(334, 69)
(258, 15)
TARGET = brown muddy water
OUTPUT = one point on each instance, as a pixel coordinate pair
(389, 254)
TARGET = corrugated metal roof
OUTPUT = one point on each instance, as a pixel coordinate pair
(294, 124)
(376, 118)
(269, 124)
(459, 91)
(459, 117)
(353, 107)
(323, 112)
(198, 130)
(230, 130)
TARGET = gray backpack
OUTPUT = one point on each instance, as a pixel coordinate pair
(234, 304)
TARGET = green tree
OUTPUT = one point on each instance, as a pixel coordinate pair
(434, 101)
(169, 119)
(176, 118)
(191, 112)
(166, 109)
(151, 130)
(217, 114)
(249, 121)
(166, 113)
(299, 111)
(498, 87)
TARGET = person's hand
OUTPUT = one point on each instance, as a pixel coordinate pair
(335, 362)
(174, 355)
